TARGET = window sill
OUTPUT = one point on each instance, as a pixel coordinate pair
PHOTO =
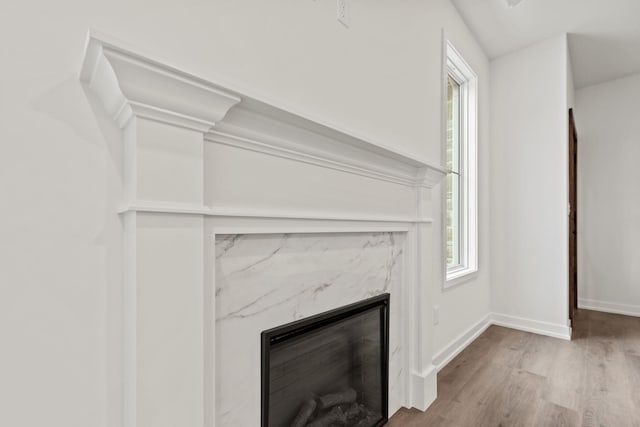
(459, 277)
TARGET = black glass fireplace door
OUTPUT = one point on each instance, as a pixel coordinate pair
(328, 370)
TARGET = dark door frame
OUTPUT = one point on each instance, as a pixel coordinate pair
(573, 216)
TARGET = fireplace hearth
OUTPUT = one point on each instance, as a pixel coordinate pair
(331, 369)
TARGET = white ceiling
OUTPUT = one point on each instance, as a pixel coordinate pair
(604, 35)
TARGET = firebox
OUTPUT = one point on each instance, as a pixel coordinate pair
(329, 369)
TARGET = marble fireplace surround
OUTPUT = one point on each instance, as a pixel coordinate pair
(267, 280)
(202, 163)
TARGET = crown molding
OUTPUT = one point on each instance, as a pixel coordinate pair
(130, 84)
(310, 154)
(256, 127)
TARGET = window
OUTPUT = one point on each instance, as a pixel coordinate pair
(460, 160)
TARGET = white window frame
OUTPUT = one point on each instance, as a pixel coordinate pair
(455, 66)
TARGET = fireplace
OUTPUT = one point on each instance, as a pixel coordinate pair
(328, 369)
(266, 217)
(264, 281)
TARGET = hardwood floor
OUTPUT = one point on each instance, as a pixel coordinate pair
(513, 378)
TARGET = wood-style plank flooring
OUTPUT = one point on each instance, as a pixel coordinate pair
(513, 378)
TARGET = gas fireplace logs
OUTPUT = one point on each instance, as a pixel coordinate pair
(335, 409)
(335, 416)
(330, 400)
(306, 412)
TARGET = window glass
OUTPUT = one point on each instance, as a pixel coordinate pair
(453, 192)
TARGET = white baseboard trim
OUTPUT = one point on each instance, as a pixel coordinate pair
(455, 347)
(609, 307)
(535, 326)
(424, 388)
(446, 355)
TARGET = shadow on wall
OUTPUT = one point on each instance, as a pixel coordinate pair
(87, 191)
(73, 106)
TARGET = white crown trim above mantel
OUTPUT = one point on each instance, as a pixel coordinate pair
(130, 85)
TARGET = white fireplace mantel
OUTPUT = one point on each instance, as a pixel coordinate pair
(131, 85)
(201, 160)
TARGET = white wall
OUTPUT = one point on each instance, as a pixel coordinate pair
(529, 186)
(571, 87)
(609, 195)
(60, 237)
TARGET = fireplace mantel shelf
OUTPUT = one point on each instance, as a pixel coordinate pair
(132, 85)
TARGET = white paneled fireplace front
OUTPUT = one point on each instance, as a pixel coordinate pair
(238, 217)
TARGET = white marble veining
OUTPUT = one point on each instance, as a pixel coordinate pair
(263, 281)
